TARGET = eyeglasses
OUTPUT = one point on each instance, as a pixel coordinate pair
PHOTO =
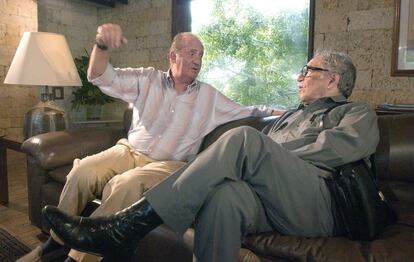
(305, 69)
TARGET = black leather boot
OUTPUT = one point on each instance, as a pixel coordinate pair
(104, 236)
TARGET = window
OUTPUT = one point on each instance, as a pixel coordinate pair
(253, 48)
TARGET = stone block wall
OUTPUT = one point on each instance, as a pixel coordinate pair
(77, 21)
(146, 24)
(16, 17)
(363, 29)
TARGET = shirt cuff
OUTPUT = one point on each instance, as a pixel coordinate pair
(106, 78)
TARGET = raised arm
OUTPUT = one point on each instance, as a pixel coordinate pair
(108, 36)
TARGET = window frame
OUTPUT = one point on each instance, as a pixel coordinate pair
(181, 21)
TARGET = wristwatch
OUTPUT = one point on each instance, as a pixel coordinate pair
(100, 46)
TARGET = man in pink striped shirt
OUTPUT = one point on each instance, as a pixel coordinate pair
(172, 112)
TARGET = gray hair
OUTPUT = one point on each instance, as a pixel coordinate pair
(178, 41)
(342, 64)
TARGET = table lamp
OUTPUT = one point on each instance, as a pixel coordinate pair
(43, 59)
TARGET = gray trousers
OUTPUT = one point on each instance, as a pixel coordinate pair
(243, 183)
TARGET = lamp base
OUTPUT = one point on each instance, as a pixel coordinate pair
(44, 117)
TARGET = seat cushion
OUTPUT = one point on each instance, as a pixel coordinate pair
(59, 174)
(396, 242)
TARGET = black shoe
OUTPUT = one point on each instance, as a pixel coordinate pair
(104, 236)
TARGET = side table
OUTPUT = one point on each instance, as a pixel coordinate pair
(6, 143)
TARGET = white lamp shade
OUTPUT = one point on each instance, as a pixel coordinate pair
(43, 59)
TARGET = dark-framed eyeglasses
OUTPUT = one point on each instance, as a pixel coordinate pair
(305, 69)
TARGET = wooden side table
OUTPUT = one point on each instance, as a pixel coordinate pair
(6, 143)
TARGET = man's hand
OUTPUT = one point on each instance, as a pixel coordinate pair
(110, 36)
(277, 112)
(107, 36)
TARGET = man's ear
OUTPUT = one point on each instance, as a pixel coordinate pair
(173, 57)
(334, 80)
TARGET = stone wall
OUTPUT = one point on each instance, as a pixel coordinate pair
(16, 17)
(363, 29)
(146, 24)
(77, 21)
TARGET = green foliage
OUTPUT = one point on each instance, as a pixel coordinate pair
(253, 58)
(87, 94)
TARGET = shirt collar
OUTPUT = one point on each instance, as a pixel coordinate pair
(322, 102)
(190, 87)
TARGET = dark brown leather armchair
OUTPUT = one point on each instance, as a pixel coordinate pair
(50, 156)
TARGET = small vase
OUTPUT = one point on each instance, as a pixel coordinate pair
(93, 112)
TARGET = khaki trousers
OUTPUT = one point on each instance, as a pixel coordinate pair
(120, 175)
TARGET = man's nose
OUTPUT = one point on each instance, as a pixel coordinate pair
(300, 78)
(197, 60)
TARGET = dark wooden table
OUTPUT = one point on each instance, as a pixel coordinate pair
(6, 143)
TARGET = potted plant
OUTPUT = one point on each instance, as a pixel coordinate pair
(88, 95)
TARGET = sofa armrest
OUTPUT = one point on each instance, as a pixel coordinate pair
(54, 149)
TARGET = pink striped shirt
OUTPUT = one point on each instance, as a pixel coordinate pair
(167, 125)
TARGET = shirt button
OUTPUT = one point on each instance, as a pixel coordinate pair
(172, 111)
(159, 136)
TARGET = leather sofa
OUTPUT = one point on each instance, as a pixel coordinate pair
(50, 156)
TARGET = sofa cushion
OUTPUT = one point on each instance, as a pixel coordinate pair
(405, 213)
(59, 174)
(396, 243)
(398, 190)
